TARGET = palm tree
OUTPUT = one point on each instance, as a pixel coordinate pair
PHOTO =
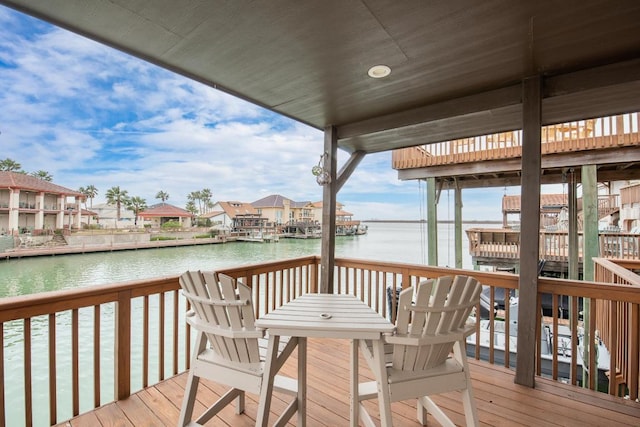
(44, 175)
(117, 197)
(162, 195)
(136, 205)
(191, 207)
(9, 165)
(206, 195)
(196, 196)
(91, 191)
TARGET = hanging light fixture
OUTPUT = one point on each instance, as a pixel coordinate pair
(322, 176)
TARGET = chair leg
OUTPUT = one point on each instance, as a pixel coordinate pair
(384, 396)
(421, 413)
(186, 412)
(240, 403)
(470, 412)
(468, 402)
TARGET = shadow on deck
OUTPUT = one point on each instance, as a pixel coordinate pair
(500, 402)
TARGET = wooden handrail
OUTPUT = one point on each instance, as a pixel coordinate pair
(274, 283)
(592, 134)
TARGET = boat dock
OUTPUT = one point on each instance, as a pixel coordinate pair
(85, 249)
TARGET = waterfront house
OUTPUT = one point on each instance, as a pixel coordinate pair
(281, 210)
(33, 205)
(108, 216)
(376, 76)
(156, 215)
(236, 216)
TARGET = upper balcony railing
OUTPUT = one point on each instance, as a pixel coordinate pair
(554, 245)
(75, 350)
(592, 134)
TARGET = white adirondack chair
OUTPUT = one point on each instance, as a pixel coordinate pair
(226, 349)
(428, 329)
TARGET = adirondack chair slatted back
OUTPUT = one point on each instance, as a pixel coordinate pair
(441, 307)
(222, 309)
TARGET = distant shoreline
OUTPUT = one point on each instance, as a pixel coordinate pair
(445, 221)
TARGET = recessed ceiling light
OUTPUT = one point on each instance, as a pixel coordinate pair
(379, 71)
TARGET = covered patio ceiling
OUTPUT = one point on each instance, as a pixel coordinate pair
(456, 66)
(459, 68)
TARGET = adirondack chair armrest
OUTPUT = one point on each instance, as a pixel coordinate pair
(469, 329)
(218, 302)
(206, 327)
(427, 340)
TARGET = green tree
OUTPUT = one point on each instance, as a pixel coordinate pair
(196, 197)
(191, 207)
(203, 200)
(9, 165)
(89, 193)
(162, 195)
(206, 195)
(118, 197)
(44, 175)
(136, 205)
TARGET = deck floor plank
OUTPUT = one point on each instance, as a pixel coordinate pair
(110, 415)
(500, 401)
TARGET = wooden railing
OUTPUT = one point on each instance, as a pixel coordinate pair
(554, 245)
(111, 331)
(593, 134)
(619, 322)
(80, 348)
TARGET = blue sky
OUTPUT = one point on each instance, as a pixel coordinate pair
(90, 115)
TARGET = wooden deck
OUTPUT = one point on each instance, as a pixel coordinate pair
(500, 402)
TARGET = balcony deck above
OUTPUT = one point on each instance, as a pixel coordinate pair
(495, 159)
(500, 402)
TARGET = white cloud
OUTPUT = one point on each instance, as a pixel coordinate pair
(91, 115)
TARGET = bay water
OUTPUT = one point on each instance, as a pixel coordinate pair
(403, 242)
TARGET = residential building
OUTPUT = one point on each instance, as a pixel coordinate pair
(30, 204)
(161, 213)
(233, 215)
(280, 210)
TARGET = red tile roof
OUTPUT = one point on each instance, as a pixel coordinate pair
(165, 210)
(26, 182)
(234, 209)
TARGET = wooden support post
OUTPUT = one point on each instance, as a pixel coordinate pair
(327, 253)
(530, 231)
(122, 360)
(590, 240)
(432, 222)
(458, 225)
(590, 244)
(574, 252)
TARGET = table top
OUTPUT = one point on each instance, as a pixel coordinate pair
(327, 316)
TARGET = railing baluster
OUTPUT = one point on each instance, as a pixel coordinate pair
(75, 365)
(96, 355)
(554, 343)
(28, 396)
(161, 305)
(145, 341)
(573, 321)
(613, 348)
(175, 332)
(53, 401)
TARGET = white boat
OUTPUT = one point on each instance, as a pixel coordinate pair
(563, 347)
(361, 229)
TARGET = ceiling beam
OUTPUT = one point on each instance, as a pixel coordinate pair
(489, 100)
(559, 91)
